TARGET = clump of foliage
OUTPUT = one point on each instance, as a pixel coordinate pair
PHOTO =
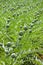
(21, 32)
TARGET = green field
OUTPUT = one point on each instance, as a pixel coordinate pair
(21, 32)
